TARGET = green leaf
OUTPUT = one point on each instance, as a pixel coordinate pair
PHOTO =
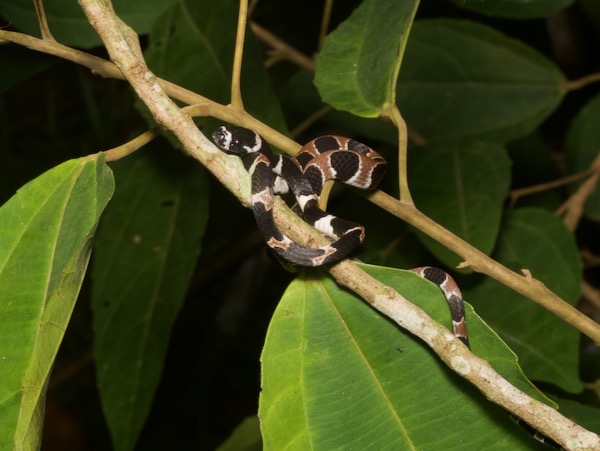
(46, 232)
(68, 23)
(357, 68)
(192, 45)
(465, 79)
(337, 375)
(517, 9)
(145, 253)
(463, 187)
(583, 147)
(547, 347)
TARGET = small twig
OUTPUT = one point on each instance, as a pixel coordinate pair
(591, 294)
(573, 207)
(396, 117)
(516, 194)
(572, 85)
(116, 153)
(589, 258)
(310, 120)
(42, 20)
(238, 55)
(325, 20)
(282, 48)
(251, 7)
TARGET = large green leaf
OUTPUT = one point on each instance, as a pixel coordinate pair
(68, 23)
(547, 347)
(465, 79)
(145, 253)
(518, 9)
(583, 147)
(46, 232)
(357, 68)
(337, 375)
(462, 186)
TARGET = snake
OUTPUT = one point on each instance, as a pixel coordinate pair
(329, 157)
(324, 158)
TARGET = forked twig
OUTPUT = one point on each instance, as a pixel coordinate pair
(43, 20)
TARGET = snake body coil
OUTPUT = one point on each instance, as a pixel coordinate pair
(322, 159)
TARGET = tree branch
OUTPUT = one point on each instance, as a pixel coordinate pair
(200, 105)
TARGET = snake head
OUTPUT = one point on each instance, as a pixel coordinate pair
(237, 140)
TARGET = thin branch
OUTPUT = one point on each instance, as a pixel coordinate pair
(516, 194)
(572, 85)
(572, 209)
(398, 120)
(479, 262)
(325, 20)
(236, 76)
(116, 153)
(281, 48)
(42, 20)
(589, 259)
(310, 120)
(592, 294)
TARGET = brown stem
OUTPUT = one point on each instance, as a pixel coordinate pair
(283, 49)
(572, 85)
(236, 92)
(479, 262)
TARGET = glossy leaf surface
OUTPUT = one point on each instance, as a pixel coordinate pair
(357, 68)
(46, 233)
(462, 79)
(336, 374)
